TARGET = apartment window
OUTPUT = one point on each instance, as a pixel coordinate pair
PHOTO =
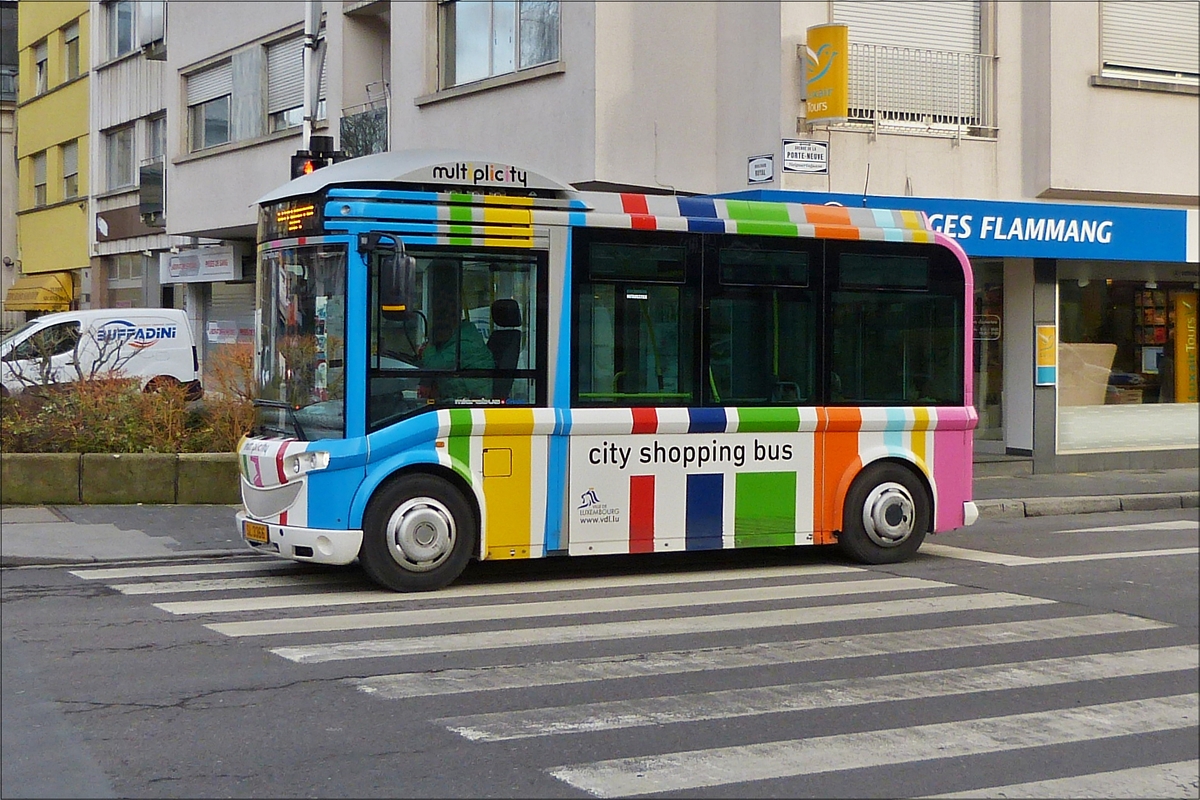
(120, 28)
(208, 100)
(285, 85)
(1151, 41)
(919, 66)
(119, 143)
(156, 138)
(70, 166)
(41, 67)
(71, 51)
(39, 179)
(483, 38)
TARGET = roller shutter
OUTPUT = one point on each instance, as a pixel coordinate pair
(1148, 35)
(210, 84)
(940, 25)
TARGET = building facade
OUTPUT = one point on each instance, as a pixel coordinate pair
(9, 257)
(52, 157)
(1057, 141)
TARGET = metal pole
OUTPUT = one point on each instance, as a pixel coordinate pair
(312, 66)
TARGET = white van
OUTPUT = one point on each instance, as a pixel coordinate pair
(153, 345)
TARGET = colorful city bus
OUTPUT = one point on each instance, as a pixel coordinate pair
(460, 358)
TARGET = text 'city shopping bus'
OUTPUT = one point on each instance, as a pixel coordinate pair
(460, 358)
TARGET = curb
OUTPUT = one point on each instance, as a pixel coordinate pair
(1054, 506)
(19, 562)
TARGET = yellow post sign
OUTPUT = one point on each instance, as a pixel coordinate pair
(827, 73)
(1047, 356)
(1185, 348)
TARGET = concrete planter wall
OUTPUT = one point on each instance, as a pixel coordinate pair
(157, 478)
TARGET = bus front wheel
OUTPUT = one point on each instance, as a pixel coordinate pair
(418, 534)
(886, 515)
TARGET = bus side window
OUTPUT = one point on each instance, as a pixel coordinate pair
(761, 325)
(636, 322)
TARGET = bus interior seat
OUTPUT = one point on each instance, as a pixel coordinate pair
(505, 344)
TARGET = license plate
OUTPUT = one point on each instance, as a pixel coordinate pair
(255, 532)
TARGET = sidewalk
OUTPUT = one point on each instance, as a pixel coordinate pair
(87, 534)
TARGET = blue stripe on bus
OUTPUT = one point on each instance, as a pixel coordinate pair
(706, 420)
(556, 482)
(893, 432)
(705, 498)
(384, 211)
(561, 391)
(706, 225)
(697, 207)
(384, 194)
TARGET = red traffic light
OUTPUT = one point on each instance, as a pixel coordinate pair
(305, 164)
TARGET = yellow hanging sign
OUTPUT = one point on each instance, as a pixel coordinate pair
(1185, 348)
(827, 73)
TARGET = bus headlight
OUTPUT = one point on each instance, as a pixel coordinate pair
(298, 464)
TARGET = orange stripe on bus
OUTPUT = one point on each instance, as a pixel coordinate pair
(827, 215)
(841, 464)
(836, 232)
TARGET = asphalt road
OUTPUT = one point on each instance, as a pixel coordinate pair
(1037, 657)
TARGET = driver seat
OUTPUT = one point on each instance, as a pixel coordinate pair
(505, 344)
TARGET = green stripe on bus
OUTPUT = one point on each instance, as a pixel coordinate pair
(765, 420)
(767, 228)
(459, 445)
(757, 211)
(460, 197)
(460, 213)
(764, 512)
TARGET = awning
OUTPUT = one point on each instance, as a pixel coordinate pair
(47, 291)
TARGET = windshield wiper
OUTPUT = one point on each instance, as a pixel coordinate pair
(297, 428)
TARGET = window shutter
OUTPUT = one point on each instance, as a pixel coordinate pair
(285, 75)
(70, 156)
(1151, 35)
(924, 25)
(210, 84)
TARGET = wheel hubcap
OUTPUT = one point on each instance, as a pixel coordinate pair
(421, 534)
(889, 514)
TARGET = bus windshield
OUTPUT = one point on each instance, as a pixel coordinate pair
(302, 341)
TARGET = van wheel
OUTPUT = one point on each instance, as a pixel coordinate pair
(157, 384)
(418, 534)
(886, 516)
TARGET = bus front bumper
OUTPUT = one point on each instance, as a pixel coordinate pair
(300, 544)
(970, 513)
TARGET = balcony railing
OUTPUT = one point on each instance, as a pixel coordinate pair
(936, 92)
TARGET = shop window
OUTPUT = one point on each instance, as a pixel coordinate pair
(1126, 363)
(483, 38)
(71, 51)
(39, 179)
(119, 157)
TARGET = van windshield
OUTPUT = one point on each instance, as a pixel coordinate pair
(301, 339)
(13, 335)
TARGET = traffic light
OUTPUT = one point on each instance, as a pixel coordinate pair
(304, 163)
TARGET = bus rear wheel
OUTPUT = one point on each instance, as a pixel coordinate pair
(418, 534)
(886, 515)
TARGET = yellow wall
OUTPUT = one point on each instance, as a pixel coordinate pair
(54, 237)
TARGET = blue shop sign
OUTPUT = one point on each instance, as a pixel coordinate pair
(1029, 230)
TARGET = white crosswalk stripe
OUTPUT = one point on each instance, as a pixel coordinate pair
(780, 699)
(695, 769)
(525, 640)
(641, 629)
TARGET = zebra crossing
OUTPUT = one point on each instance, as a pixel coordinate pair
(724, 679)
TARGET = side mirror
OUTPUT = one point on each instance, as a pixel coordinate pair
(397, 273)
